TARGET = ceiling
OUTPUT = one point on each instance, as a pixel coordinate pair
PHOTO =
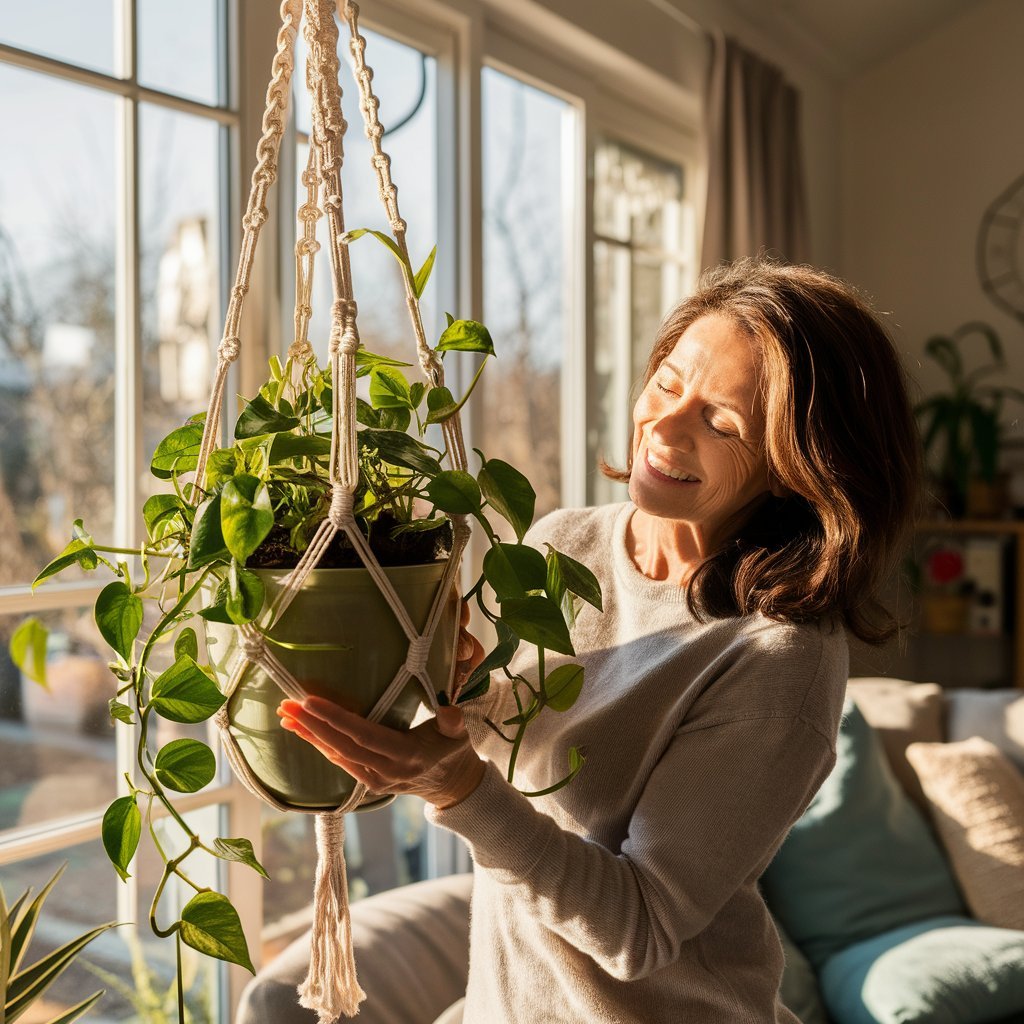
(849, 36)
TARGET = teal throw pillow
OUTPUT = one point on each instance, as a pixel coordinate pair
(947, 970)
(862, 860)
(799, 989)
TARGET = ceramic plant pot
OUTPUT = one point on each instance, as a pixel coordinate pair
(342, 608)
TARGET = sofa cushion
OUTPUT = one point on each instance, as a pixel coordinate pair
(861, 860)
(946, 970)
(998, 715)
(977, 795)
(902, 713)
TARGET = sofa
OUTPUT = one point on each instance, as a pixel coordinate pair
(883, 893)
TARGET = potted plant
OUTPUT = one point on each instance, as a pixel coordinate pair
(21, 987)
(964, 423)
(215, 552)
(946, 598)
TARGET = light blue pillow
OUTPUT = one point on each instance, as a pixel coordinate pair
(947, 970)
(861, 861)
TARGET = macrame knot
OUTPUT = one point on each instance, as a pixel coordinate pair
(220, 719)
(228, 349)
(341, 506)
(252, 645)
(416, 659)
(300, 349)
(332, 202)
(255, 218)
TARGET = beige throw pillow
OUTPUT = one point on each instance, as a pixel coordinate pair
(977, 804)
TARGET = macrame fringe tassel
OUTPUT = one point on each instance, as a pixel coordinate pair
(331, 987)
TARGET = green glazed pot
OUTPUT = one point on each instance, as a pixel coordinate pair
(342, 608)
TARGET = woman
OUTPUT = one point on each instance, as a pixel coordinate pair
(772, 480)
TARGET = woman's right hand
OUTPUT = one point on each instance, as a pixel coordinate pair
(469, 654)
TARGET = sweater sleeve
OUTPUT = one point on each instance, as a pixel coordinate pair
(715, 809)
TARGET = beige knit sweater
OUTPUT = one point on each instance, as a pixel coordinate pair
(630, 895)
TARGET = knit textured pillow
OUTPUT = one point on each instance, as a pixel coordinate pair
(977, 798)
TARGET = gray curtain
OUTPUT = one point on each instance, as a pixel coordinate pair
(755, 177)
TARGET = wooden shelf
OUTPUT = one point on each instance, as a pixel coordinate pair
(1012, 526)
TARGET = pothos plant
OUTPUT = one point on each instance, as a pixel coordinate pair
(261, 499)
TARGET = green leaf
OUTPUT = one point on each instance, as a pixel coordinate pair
(563, 686)
(122, 826)
(260, 417)
(513, 569)
(118, 614)
(509, 493)
(239, 850)
(78, 1009)
(246, 515)
(77, 552)
(218, 611)
(120, 712)
(441, 405)
(21, 935)
(418, 526)
(395, 419)
(297, 446)
(178, 452)
(209, 923)
(186, 644)
(466, 336)
(185, 765)
(206, 543)
(389, 389)
(158, 508)
(366, 361)
(416, 393)
(449, 319)
(245, 594)
(423, 274)
(221, 465)
(28, 650)
(574, 576)
(538, 620)
(384, 239)
(454, 490)
(399, 449)
(185, 693)
(479, 679)
(366, 414)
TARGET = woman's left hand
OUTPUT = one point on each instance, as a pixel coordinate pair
(435, 761)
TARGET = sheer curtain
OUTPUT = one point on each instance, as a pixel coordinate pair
(755, 162)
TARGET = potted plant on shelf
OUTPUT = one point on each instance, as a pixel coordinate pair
(964, 424)
(947, 592)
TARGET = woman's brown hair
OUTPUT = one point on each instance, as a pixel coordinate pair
(840, 436)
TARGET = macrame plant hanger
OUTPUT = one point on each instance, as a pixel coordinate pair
(331, 987)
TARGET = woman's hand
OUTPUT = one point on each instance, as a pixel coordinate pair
(435, 761)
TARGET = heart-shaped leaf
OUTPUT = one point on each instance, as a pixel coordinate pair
(206, 543)
(538, 620)
(514, 569)
(158, 508)
(389, 389)
(260, 417)
(209, 924)
(245, 594)
(185, 693)
(466, 336)
(400, 449)
(565, 573)
(186, 643)
(122, 826)
(479, 680)
(454, 490)
(77, 552)
(563, 686)
(28, 650)
(185, 765)
(118, 614)
(246, 515)
(239, 850)
(120, 712)
(509, 493)
(178, 452)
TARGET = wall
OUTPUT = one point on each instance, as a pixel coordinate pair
(929, 138)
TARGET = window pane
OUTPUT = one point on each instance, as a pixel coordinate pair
(524, 279)
(179, 47)
(180, 246)
(643, 266)
(57, 232)
(56, 745)
(383, 849)
(75, 31)
(405, 82)
(123, 961)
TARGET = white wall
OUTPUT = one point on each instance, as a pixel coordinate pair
(929, 138)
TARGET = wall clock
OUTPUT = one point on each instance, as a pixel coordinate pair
(1000, 252)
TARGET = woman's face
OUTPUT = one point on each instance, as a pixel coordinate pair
(698, 430)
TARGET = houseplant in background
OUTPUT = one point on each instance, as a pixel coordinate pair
(21, 987)
(963, 425)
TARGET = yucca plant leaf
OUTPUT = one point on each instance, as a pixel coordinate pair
(944, 351)
(27, 986)
(76, 1011)
(22, 929)
(5, 947)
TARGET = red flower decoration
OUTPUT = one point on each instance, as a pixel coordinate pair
(945, 565)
